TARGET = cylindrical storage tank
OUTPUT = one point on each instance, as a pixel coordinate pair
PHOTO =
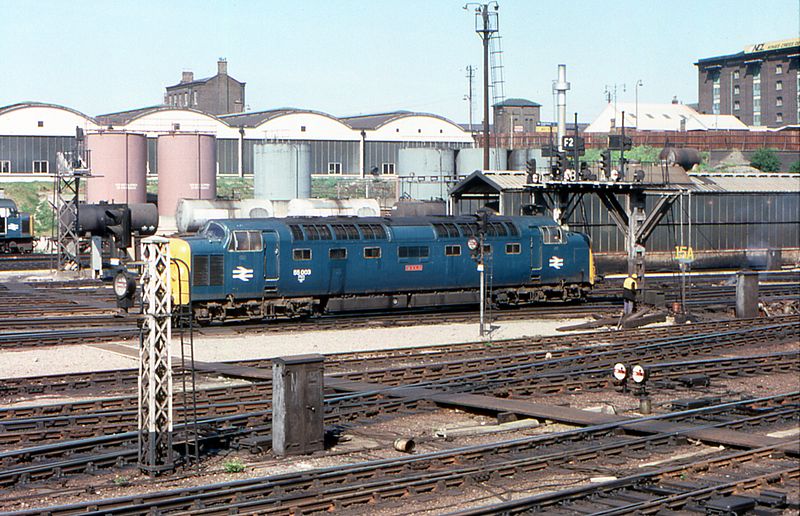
(425, 173)
(255, 209)
(470, 160)
(333, 207)
(282, 171)
(187, 169)
(119, 164)
(518, 159)
(191, 214)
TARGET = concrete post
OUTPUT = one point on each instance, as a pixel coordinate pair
(746, 294)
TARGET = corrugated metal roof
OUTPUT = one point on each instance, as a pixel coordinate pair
(375, 121)
(124, 117)
(256, 118)
(744, 183)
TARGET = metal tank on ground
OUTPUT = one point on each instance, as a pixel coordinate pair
(518, 159)
(187, 169)
(333, 207)
(282, 171)
(470, 160)
(119, 167)
(425, 173)
(192, 214)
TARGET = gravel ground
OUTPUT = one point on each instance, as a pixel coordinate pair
(82, 358)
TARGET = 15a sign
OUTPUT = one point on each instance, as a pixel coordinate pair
(684, 253)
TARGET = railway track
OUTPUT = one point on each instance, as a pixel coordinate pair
(451, 377)
(556, 346)
(350, 486)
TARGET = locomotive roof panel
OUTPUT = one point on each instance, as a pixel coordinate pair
(262, 223)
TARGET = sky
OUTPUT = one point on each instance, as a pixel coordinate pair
(346, 57)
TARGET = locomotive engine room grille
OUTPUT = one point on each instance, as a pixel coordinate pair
(207, 270)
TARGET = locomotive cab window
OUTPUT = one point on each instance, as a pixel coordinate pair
(301, 254)
(552, 235)
(213, 231)
(513, 248)
(372, 252)
(246, 241)
(338, 254)
(452, 250)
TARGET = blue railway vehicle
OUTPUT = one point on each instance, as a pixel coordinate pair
(256, 268)
(15, 229)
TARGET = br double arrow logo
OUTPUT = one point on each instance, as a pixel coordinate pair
(242, 273)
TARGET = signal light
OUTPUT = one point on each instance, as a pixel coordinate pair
(124, 289)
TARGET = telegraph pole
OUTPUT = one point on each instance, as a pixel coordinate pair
(468, 96)
(485, 26)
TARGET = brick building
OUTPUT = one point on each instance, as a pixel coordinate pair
(516, 116)
(759, 85)
(217, 95)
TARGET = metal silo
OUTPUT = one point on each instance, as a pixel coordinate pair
(187, 169)
(425, 173)
(470, 160)
(282, 171)
(518, 159)
(119, 164)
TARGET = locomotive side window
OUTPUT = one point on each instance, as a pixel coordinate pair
(452, 250)
(552, 235)
(301, 254)
(372, 252)
(412, 251)
(246, 241)
(513, 249)
(338, 254)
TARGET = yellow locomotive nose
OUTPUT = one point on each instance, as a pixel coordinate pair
(180, 270)
(592, 269)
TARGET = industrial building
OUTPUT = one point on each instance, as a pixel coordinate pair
(32, 133)
(759, 85)
(218, 95)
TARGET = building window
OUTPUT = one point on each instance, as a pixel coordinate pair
(736, 74)
(302, 128)
(40, 166)
(779, 117)
(40, 123)
(334, 167)
(194, 98)
(779, 86)
(5, 166)
(779, 102)
(452, 250)
(778, 69)
(372, 252)
(757, 96)
(715, 89)
(736, 89)
(186, 99)
(301, 254)
(387, 169)
(736, 105)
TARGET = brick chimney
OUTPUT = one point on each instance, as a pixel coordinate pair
(222, 66)
(187, 77)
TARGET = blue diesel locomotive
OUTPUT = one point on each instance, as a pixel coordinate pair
(15, 229)
(257, 268)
